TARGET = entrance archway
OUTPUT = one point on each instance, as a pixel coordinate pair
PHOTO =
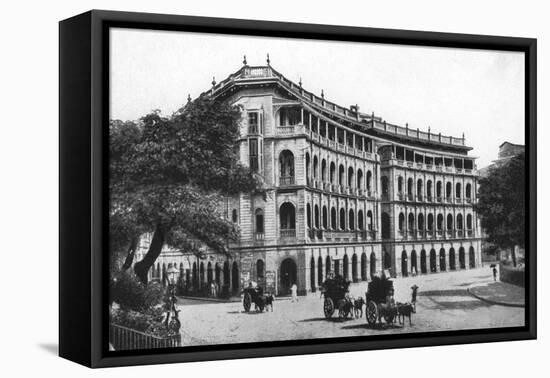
(404, 268)
(442, 262)
(354, 275)
(452, 259)
(414, 263)
(433, 261)
(387, 260)
(337, 267)
(312, 273)
(472, 256)
(462, 258)
(346, 267)
(363, 266)
(423, 263)
(288, 275)
(319, 271)
(235, 277)
(327, 266)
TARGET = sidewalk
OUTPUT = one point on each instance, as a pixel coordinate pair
(500, 293)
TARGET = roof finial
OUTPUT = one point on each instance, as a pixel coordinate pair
(322, 93)
(407, 125)
(188, 98)
(213, 81)
(300, 82)
(429, 130)
(244, 60)
(463, 135)
(268, 61)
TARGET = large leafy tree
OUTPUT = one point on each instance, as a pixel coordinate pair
(501, 204)
(169, 176)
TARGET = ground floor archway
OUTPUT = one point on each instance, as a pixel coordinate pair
(319, 271)
(364, 266)
(372, 265)
(423, 262)
(354, 275)
(312, 273)
(235, 277)
(472, 257)
(452, 259)
(346, 267)
(404, 267)
(433, 261)
(288, 275)
(414, 263)
(461, 258)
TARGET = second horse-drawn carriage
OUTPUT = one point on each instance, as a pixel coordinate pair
(254, 294)
(380, 301)
(335, 291)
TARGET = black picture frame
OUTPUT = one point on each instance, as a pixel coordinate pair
(83, 137)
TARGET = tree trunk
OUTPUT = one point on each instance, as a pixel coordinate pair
(131, 253)
(142, 267)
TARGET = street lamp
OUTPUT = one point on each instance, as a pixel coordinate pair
(171, 275)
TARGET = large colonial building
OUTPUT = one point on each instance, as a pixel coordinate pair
(349, 193)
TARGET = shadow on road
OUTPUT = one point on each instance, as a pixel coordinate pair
(460, 305)
(444, 293)
(333, 320)
(377, 327)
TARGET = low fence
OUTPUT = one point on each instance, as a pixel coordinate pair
(123, 338)
(509, 274)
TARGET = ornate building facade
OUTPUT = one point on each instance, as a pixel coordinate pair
(348, 193)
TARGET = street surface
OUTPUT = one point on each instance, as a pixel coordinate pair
(443, 303)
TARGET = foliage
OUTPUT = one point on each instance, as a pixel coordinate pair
(150, 321)
(132, 295)
(501, 203)
(170, 175)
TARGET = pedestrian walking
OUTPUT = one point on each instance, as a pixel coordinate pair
(495, 273)
(294, 293)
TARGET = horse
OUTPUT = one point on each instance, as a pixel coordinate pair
(345, 307)
(405, 310)
(358, 306)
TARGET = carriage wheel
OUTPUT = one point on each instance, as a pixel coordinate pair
(371, 313)
(247, 302)
(328, 307)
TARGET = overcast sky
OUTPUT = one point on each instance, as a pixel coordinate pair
(454, 91)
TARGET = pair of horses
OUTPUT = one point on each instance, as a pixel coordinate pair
(350, 306)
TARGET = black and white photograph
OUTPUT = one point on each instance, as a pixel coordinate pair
(268, 189)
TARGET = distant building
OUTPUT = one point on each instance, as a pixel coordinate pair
(351, 194)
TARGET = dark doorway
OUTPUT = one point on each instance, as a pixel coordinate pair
(235, 277)
(337, 267)
(462, 258)
(288, 275)
(312, 273)
(414, 263)
(433, 261)
(452, 259)
(346, 267)
(404, 270)
(319, 271)
(423, 264)
(385, 226)
(363, 266)
(472, 256)
(354, 276)
(372, 265)
(442, 262)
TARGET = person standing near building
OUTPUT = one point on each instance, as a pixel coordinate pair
(294, 293)
(495, 273)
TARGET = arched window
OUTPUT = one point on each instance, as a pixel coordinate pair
(419, 189)
(325, 217)
(260, 269)
(410, 184)
(341, 174)
(440, 222)
(332, 172)
(234, 216)
(401, 221)
(308, 163)
(400, 184)
(369, 180)
(369, 220)
(287, 218)
(449, 190)
(308, 207)
(421, 222)
(458, 193)
(439, 188)
(442, 260)
(333, 222)
(430, 222)
(469, 221)
(359, 179)
(385, 226)
(469, 191)
(360, 220)
(385, 186)
(316, 217)
(315, 167)
(342, 219)
(286, 167)
(449, 221)
(411, 222)
(351, 219)
(324, 170)
(429, 190)
(350, 177)
(459, 222)
(259, 221)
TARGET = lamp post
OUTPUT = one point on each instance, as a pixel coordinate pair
(171, 300)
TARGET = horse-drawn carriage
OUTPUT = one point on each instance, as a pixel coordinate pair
(334, 291)
(380, 301)
(254, 294)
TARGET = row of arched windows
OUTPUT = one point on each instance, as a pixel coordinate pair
(430, 191)
(342, 222)
(419, 222)
(328, 173)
